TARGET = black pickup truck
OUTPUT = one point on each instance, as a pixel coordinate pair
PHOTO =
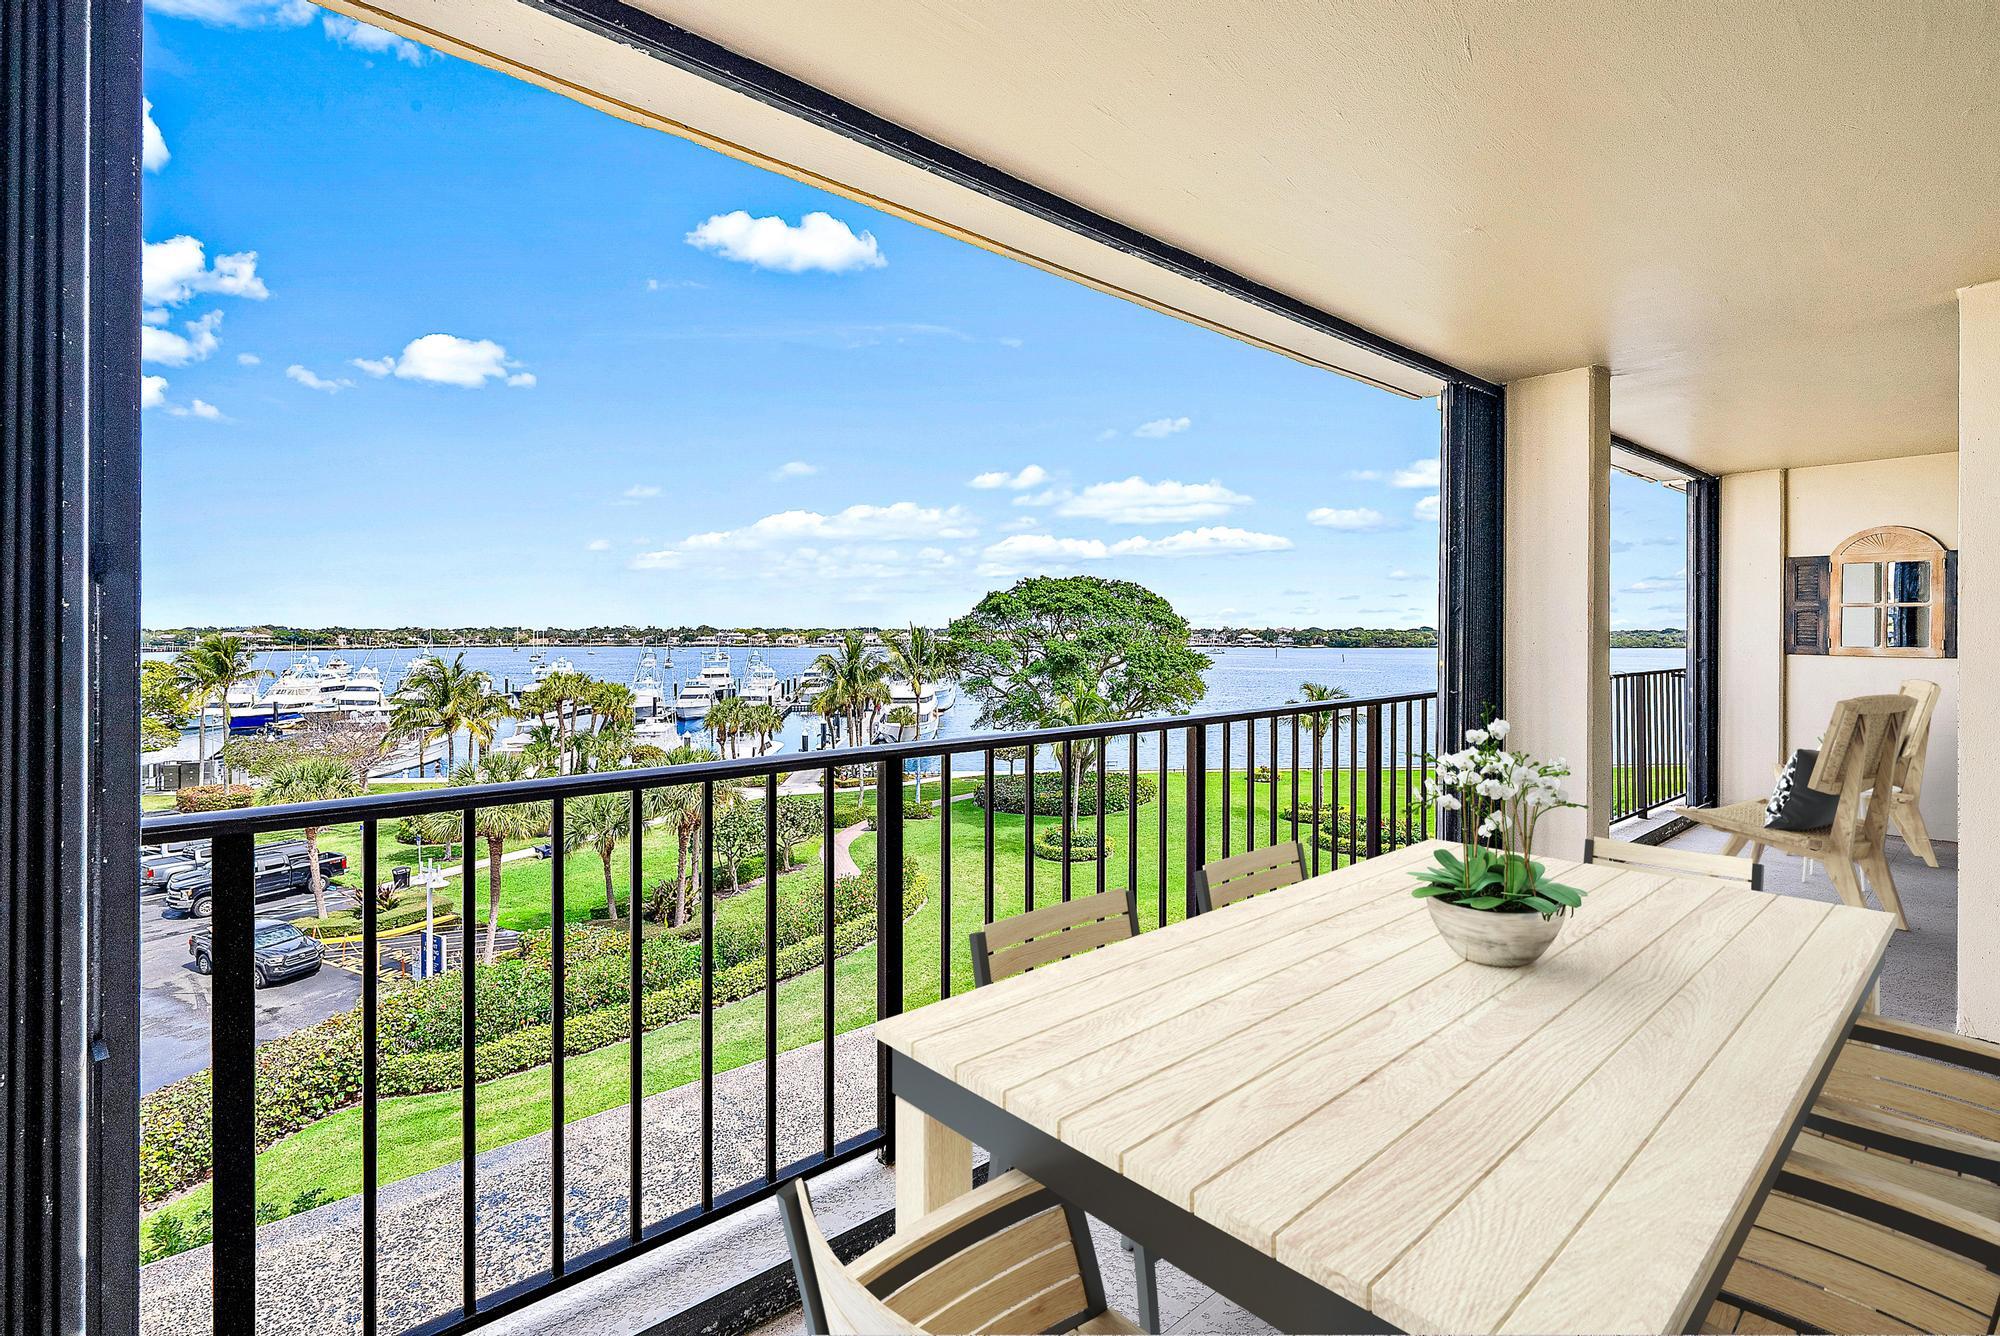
(282, 952)
(281, 870)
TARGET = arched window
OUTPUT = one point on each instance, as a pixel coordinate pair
(1888, 587)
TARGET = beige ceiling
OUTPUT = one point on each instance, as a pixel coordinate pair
(1755, 213)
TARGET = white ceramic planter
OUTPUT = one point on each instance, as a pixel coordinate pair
(1508, 941)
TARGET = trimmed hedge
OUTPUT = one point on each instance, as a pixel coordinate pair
(912, 811)
(1082, 845)
(1010, 793)
(311, 1073)
(1345, 832)
(347, 922)
(211, 797)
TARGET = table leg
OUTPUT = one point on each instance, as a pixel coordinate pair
(933, 1164)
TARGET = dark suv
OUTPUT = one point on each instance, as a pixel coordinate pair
(283, 952)
(281, 869)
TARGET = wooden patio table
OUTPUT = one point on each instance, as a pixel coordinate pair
(1310, 1104)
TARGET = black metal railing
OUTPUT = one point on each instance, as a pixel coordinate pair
(1649, 741)
(1343, 777)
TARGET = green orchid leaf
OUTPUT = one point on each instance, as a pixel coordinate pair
(1434, 888)
(1562, 894)
(1541, 906)
(1483, 901)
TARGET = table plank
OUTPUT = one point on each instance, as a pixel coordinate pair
(1621, 1270)
(1480, 1256)
(1190, 1115)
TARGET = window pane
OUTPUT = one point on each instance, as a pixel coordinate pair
(1857, 628)
(1907, 628)
(1860, 582)
(1909, 581)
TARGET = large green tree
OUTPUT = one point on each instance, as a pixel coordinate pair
(1030, 653)
(164, 707)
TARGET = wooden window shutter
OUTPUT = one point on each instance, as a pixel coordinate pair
(1807, 590)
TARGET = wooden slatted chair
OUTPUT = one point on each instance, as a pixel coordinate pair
(1051, 933)
(1886, 1216)
(1679, 862)
(1007, 1257)
(1860, 753)
(1907, 817)
(1240, 876)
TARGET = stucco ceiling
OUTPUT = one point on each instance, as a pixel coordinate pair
(1755, 214)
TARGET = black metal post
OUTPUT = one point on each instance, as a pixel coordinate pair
(1195, 783)
(1471, 605)
(1704, 516)
(233, 1126)
(889, 934)
(1374, 781)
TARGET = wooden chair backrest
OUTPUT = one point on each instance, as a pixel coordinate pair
(1860, 753)
(1009, 1257)
(1240, 876)
(1054, 932)
(1916, 736)
(1685, 862)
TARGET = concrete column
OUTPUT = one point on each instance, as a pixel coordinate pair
(1978, 660)
(1750, 716)
(1558, 589)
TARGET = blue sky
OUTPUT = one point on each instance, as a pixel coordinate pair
(428, 345)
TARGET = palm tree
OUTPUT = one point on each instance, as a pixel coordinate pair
(543, 749)
(762, 721)
(1078, 705)
(923, 658)
(461, 694)
(480, 715)
(681, 806)
(1321, 722)
(423, 707)
(498, 825)
(600, 821)
(725, 721)
(856, 680)
(313, 779)
(210, 669)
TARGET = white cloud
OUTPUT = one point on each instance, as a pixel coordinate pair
(796, 468)
(200, 408)
(1032, 476)
(817, 241)
(157, 343)
(522, 380)
(640, 491)
(1009, 341)
(447, 359)
(1031, 551)
(1160, 427)
(153, 154)
(903, 520)
(362, 37)
(1658, 584)
(1358, 519)
(316, 382)
(1420, 473)
(248, 359)
(173, 270)
(665, 560)
(239, 13)
(152, 391)
(598, 545)
(1108, 434)
(1426, 508)
(1136, 501)
(1364, 475)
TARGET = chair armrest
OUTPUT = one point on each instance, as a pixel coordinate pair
(1873, 1197)
(1927, 1143)
(1925, 1042)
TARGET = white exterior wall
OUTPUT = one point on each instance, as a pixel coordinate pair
(1979, 660)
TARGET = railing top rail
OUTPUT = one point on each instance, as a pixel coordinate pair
(395, 806)
(1650, 672)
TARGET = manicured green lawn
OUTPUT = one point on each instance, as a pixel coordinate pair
(421, 1132)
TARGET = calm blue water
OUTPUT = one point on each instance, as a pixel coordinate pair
(1239, 679)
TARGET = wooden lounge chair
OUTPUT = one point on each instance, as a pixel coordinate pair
(1006, 1257)
(1240, 876)
(1680, 862)
(1860, 753)
(1051, 933)
(1886, 1216)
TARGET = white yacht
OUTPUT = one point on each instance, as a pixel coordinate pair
(698, 693)
(555, 665)
(246, 711)
(296, 693)
(356, 693)
(761, 686)
(649, 699)
(927, 710)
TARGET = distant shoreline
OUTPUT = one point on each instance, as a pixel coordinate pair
(159, 643)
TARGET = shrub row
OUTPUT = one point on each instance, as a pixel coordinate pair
(311, 1073)
(1010, 793)
(347, 922)
(1082, 845)
(211, 797)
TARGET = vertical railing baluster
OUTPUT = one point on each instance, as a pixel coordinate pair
(370, 1094)
(1162, 815)
(558, 1019)
(707, 890)
(771, 977)
(1389, 743)
(1103, 748)
(233, 1114)
(1131, 819)
(635, 1056)
(1296, 823)
(1228, 805)
(987, 873)
(1028, 835)
(888, 934)
(1068, 805)
(1195, 784)
(826, 852)
(1273, 803)
(468, 1128)
(1249, 784)
(944, 874)
(1374, 780)
(1322, 721)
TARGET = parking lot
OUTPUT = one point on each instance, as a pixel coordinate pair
(174, 1009)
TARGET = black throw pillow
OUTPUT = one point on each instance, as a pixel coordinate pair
(1796, 805)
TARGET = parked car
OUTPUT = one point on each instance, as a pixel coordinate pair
(282, 951)
(157, 865)
(281, 870)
